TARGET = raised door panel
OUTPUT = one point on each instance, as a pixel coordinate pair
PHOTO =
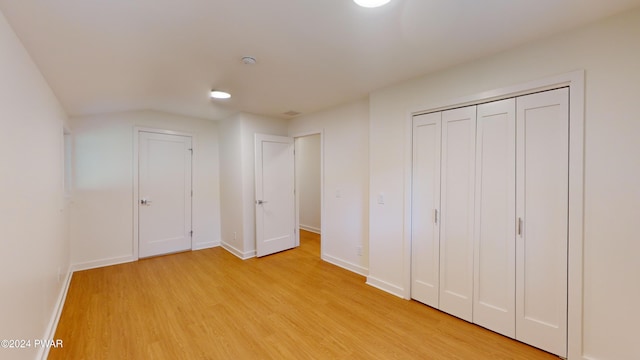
(425, 202)
(494, 229)
(457, 199)
(542, 210)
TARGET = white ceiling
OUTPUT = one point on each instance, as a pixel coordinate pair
(117, 55)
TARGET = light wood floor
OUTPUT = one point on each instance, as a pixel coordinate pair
(208, 304)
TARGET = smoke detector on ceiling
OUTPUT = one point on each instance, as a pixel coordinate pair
(292, 113)
(249, 60)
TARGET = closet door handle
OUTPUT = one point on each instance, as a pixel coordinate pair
(519, 225)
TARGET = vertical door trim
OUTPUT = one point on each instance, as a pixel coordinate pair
(576, 82)
(136, 153)
(297, 194)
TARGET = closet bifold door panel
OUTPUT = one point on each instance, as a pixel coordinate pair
(425, 204)
(542, 176)
(495, 215)
(457, 199)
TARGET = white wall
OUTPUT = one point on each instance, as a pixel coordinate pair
(102, 210)
(238, 152)
(610, 54)
(346, 169)
(34, 260)
(231, 185)
(308, 181)
(252, 124)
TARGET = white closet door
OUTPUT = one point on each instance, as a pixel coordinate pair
(425, 233)
(542, 210)
(457, 196)
(495, 215)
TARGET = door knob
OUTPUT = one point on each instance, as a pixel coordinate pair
(260, 202)
(145, 202)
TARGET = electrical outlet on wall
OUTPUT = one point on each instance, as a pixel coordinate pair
(359, 250)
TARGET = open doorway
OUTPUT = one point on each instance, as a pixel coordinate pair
(308, 173)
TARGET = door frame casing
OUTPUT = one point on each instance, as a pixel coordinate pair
(136, 191)
(297, 194)
(576, 82)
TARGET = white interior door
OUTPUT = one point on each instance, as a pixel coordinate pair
(457, 196)
(495, 216)
(542, 211)
(275, 200)
(164, 188)
(425, 205)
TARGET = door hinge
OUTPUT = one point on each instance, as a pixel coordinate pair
(191, 193)
(191, 233)
(191, 151)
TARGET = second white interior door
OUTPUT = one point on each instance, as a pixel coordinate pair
(164, 188)
(275, 200)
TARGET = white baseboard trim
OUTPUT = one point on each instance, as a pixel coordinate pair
(102, 263)
(242, 255)
(126, 259)
(385, 286)
(310, 229)
(346, 265)
(50, 332)
(205, 245)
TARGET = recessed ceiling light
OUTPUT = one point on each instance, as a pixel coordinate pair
(217, 94)
(371, 3)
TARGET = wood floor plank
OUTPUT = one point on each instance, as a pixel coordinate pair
(209, 304)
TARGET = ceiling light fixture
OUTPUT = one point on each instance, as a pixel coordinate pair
(217, 94)
(371, 3)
